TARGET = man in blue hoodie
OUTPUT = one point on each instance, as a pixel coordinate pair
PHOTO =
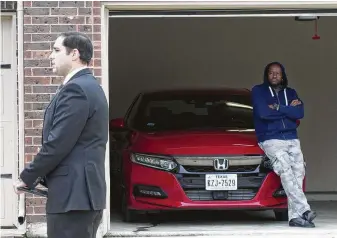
(277, 108)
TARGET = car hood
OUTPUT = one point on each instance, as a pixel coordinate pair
(197, 143)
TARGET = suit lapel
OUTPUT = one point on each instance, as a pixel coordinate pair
(78, 74)
(57, 91)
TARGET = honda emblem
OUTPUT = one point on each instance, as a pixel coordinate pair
(221, 164)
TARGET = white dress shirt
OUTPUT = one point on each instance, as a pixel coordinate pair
(72, 73)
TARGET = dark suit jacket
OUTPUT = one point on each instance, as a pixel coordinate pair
(71, 160)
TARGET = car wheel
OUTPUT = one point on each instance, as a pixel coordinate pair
(281, 215)
(128, 215)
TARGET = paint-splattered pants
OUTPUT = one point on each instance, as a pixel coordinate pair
(287, 161)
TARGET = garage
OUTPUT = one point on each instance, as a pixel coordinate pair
(190, 47)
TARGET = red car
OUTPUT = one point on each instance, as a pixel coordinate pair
(191, 149)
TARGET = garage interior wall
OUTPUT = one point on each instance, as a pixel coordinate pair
(150, 53)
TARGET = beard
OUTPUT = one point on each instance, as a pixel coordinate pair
(275, 83)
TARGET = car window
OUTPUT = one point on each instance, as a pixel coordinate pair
(132, 110)
(176, 107)
(183, 112)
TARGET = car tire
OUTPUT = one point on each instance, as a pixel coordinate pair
(281, 215)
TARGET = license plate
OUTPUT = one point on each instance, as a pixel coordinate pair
(221, 181)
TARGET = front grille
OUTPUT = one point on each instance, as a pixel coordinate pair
(237, 195)
(194, 187)
(238, 160)
(242, 168)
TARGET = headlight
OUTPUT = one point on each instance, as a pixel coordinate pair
(157, 162)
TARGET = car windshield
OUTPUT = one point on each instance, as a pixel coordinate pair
(189, 112)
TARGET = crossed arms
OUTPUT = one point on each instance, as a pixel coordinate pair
(265, 111)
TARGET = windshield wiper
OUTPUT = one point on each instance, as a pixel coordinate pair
(211, 128)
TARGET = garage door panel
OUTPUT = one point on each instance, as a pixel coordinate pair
(2, 199)
(2, 152)
(2, 93)
(7, 215)
(7, 156)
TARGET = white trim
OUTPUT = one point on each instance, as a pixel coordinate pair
(12, 233)
(221, 15)
(9, 14)
(224, 4)
(105, 225)
(20, 72)
(15, 116)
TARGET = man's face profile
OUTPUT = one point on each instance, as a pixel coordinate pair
(60, 59)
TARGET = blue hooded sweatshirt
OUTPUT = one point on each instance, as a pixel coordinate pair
(271, 123)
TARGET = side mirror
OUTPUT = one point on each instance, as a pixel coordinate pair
(298, 122)
(116, 124)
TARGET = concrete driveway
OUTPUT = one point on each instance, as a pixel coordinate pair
(217, 224)
(227, 223)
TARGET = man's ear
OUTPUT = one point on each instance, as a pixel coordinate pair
(76, 54)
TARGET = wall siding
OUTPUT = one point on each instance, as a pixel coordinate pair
(43, 21)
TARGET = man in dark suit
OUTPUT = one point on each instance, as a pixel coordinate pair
(75, 132)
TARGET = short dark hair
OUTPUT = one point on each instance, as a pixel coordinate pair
(79, 41)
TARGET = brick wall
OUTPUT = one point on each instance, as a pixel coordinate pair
(43, 21)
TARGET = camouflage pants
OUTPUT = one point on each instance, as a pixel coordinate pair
(287, 159)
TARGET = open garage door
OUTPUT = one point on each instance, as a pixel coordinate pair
(177, 50)
(130, 61)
